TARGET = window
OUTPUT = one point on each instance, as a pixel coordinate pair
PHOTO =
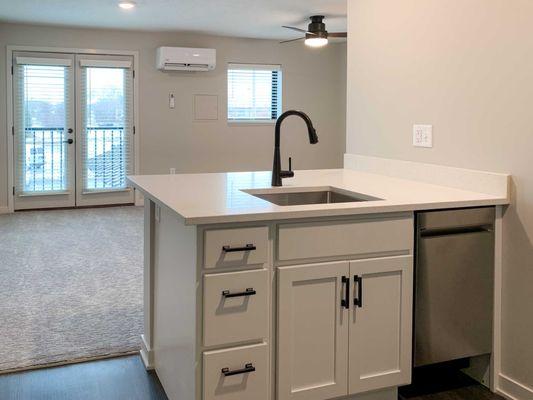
(254, 92)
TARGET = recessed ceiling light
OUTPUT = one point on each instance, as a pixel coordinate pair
(127, 5)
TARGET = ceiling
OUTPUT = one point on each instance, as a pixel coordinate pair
(241, 18)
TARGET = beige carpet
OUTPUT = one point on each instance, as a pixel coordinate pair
(70, 285)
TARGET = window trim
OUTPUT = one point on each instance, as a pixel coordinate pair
(279, 88)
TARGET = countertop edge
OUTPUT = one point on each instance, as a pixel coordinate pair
(379, 209)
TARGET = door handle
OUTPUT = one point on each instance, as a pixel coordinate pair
(358, 281)
(246, 370)
(346, 301)
(70, 130)
(69, 141)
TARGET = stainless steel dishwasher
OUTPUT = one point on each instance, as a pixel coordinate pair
(454, 284)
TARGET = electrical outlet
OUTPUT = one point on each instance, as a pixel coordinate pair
(172, 171)
(423, 135)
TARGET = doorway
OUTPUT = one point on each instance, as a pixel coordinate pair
(72, 129)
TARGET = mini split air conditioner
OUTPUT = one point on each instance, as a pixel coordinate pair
(186, 59)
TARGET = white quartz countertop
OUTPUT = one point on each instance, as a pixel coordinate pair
(219, 197)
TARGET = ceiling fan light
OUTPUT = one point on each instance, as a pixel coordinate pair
(127, 5)
(316, 42)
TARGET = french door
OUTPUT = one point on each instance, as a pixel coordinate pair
(73, 129)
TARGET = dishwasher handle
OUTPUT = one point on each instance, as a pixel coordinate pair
(455, 231)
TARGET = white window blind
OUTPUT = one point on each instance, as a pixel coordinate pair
(107, 125)
(42, 117)
(254, 92)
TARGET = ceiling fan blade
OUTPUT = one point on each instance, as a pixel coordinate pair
(292, 40)
(338, 34)
(298, 30)
(294, 28)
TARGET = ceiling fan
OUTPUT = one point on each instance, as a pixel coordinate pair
(316, 34)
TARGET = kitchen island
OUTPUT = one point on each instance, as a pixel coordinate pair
(249, 299)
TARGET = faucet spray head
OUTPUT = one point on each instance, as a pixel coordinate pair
(313, 137)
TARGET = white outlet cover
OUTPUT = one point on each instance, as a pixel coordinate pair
(423, 135)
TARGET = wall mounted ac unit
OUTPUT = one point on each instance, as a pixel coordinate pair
(186, 59)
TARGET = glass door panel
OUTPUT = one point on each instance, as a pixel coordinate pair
(43, 136)
(105, 129)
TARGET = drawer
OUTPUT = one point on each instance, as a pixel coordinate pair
(235, 247)
(241, 373)
(236, 307)
(325, 239)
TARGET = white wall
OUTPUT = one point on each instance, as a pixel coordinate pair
(313, 81)
(465, 66)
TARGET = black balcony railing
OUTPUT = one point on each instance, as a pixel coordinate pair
(106, 158)
(46, 162)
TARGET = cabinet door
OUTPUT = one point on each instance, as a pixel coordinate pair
(312, 352)
(380, 323)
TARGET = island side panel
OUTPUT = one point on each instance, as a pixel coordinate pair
(174, 334)
(147, 345)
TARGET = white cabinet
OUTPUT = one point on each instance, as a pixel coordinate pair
(312, 358)
(344, 327)
(381, 323)
(266, 311)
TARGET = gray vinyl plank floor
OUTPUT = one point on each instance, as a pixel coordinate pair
(122, 378)
(125, 378)
(474, 392)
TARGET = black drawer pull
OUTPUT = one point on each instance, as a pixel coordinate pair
(229, 249)
(358, 301)
(246, 370)
(247, 292)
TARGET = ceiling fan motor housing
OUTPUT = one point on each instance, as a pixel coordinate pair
(317, 24)
(317, 27)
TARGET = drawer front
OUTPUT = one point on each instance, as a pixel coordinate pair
(241, 373)
(236, 307)
(235, 247)
(310, 240)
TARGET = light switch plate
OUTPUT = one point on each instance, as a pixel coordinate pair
(171, 101)
(423, 135)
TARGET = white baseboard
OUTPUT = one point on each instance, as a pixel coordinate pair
(147, 354)
(460, 178)
(513, 389)
(4, 210)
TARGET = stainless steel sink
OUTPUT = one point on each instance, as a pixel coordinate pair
(294, 198)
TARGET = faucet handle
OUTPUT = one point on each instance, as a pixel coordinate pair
(289, 173)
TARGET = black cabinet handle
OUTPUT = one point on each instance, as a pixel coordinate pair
(346, 301)
(358, 301)
(246, 370)
(69, 141)
(247, 292)
(229, 249)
